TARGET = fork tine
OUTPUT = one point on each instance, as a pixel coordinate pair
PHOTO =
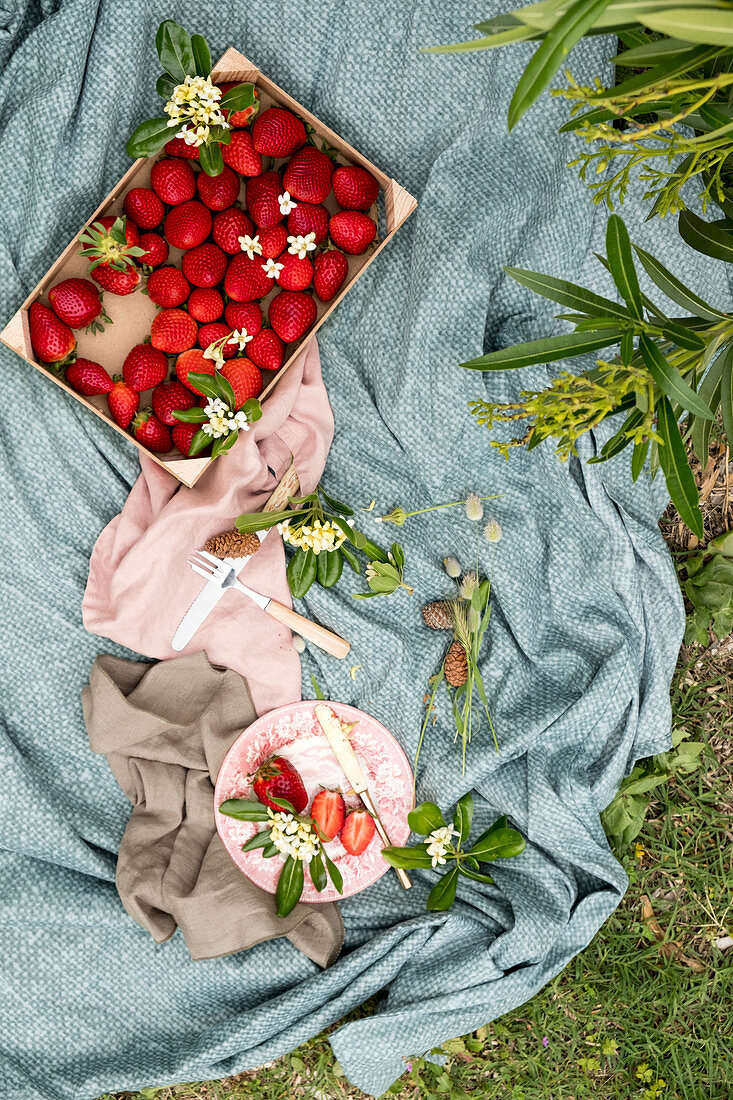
(212, 558)
(205, 573)
(192, 560)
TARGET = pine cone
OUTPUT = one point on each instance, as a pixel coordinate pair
(456, 665)
(233, 544)
(438, 615)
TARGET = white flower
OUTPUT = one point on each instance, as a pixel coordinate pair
(251, 245)
(272, 269)
(292, 837)
(301, 246)
(214, 352)
(439, 843)
(241, 421)
(286, 203)
(452, 567)
(240, 337)
(474, 508)
(493, 531)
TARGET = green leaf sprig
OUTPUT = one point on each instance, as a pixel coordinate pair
(447, 846)
(216, 387)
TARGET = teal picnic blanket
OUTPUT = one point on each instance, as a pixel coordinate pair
(587, 615)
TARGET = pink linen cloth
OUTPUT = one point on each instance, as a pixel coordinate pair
(140, 586)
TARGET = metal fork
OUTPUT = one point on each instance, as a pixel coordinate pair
(223, 574)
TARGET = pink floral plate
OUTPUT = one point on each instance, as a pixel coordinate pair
(294, 732)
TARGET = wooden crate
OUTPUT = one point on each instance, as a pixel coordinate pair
(133, 313)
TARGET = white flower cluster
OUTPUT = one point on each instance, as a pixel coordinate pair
(439, 843)
(194, 108)
(250, 245)
(316, 536)
(301, 246)
(292, 837)
(222, 420)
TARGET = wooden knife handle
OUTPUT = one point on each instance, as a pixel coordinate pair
(324, 639)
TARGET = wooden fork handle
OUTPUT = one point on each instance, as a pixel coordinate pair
(324, 639)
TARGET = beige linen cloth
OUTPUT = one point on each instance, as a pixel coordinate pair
(165, 729)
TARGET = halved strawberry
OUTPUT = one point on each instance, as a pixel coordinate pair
(173, 181)
(156, 249)
(144, 207)
(187, 225)
(308, 175)
(205, 305)
(76, 302)
(144, 367)
(328, 811)
(352, 231)
(151, 432)
(277, 133)
(205, 265)
(291, 314)
(193, 362)
(277, 777)
(229, 225)
(357, 832)
(173, 330)
(218, 192)
(266, 350)
(354, 187)
(52, 340)
(169, 397)
(88, 377)
(168, 287)
(245, 379)
(122, 402)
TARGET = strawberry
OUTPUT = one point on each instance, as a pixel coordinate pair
(245, 379)
(308, 175)
(266, 350)
(88, 377)
(354, 187)
(218, 192)
(156, 249)
(143, 207)
(52, 340)
(240, 156)
(243, 315)
(273, 241)
(168, 287)
(245, 280)
(205, 306)
(112, 245)
(112, 230)
(229, 226)
(187, 225)
(352, 231)
(169, 397)
(205, 265)
(115, 281)
(330, 269)
(209, 334)
(193, 361)
(173, 181)
(296, 274)
(243, 117)
(144, 367)
(308, 218)
(357, 832)
(177, 147)
(277, 777)
(262, 199)
(328, 811)
(76, 302)
(183, 435)
(173, 331)
(149, 431)
(122, 402)
(277, 133)
(291, 314)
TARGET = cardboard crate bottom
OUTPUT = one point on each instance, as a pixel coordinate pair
(132, 314)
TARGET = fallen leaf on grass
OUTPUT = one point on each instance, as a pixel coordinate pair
(672, 949)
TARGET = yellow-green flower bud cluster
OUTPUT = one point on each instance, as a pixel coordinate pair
(317, 536)
(293, 837)
(194, 109)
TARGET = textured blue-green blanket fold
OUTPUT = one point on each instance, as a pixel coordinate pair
(586, 618)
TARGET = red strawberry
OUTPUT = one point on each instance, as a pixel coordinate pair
(177, 147)
(116, 282)
(109, 223)
(204, 266)
(307, 218)
(168, 287)
(169, 397)
(357, 832)
(218, 192)
(229, 226)
(245, 280)
(144, 207)
(308, 175)
(277, 133)
(273, 241)
(156, 249)
(122, 402)
(328, 811)
(112, 245)
(76, 302)
(277, 777)
(205, 306)
(262, 199)
(52, 340)
(187, 225)
(243, 315)
(245, 379)
(173, 331)
(291, 314)
(240, 155)
(149, 431)
(354, 187)
(352, 231)
(173, 181)
(209, 334)
(266, 350)
(296, 274)
(144, 367)
(183, 435)
(243, 117)
(88, 377)
(330, 269)
(193, 362)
